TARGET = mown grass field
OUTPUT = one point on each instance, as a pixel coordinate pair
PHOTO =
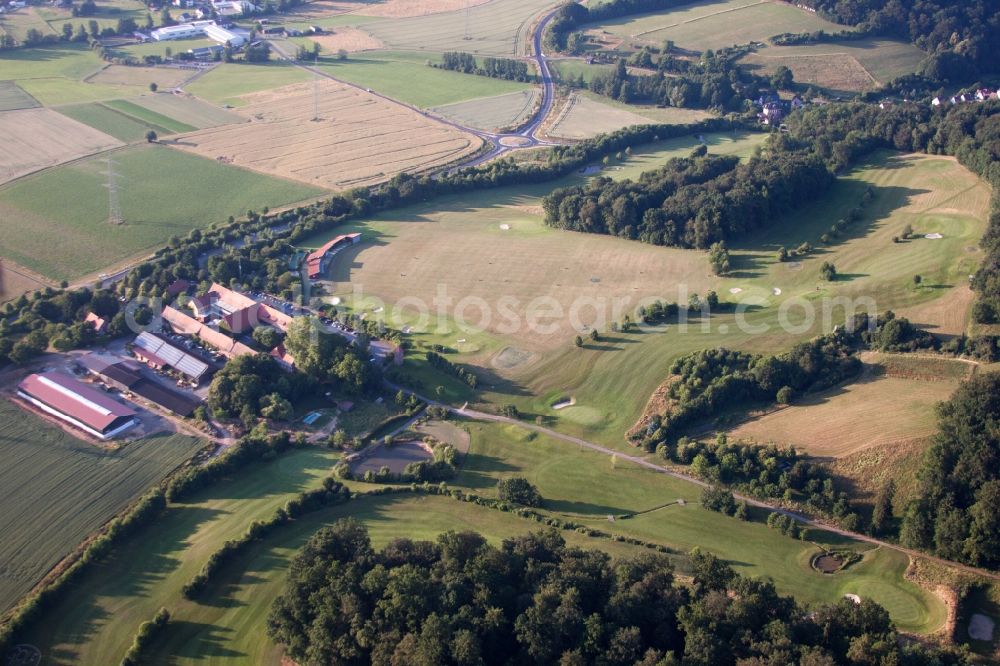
(588, 486)
(56, 489)
(588, 115)
(162, 192)
(847, 67)
(714, 24)
(226, 83)
(54, 75)
(885, 407)
(500, 27)
(116, 120)
(491, 113)
(13, 97)
(407, 78)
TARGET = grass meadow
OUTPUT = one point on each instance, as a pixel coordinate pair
(407, 77)
(162, 192)
(124, 120)
(714, 24)
(56, 489)
(226, 83)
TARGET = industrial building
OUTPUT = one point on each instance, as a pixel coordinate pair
(77, 403)
(199, 29)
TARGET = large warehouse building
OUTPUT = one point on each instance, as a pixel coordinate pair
(81, 405)
(199, 29)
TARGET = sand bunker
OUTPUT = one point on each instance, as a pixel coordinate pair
(505, 227)
(933, 236)
(776, 291)
(735, 290)
(853, 597)
(563, 403)
(981, 627)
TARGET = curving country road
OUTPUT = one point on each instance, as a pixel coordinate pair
(643, 462)
(527, 137)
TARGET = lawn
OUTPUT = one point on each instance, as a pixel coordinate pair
(162, 192)
(56, 489)
(714, 24)
(414, 82)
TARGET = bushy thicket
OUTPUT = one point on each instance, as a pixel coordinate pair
(532, 599)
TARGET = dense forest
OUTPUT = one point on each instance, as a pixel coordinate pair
(957, 513)
(691, 202)
(534, 600)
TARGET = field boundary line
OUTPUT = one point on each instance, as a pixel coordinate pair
(699, 18)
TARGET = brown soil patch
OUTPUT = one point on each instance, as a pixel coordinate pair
(33, 139)
(16, 280)
(359, 138)
(657, 405)
(351, 40)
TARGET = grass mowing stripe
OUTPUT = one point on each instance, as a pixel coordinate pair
(169, 125)
(109, 121)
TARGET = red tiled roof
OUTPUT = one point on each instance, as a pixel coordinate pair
(281, 354)
(185, 325)
(274, 317)
(76, 400)
(177, 287)
(98, 322)
(315, 258)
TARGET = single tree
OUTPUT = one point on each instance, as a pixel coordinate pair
(153, 87)
(518, 490)
(828, 271)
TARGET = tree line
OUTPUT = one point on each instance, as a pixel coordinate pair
(495, 68)
(534, 600)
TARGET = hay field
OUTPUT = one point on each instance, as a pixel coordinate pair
(492, 113)
(141, 77)
(349, 39)
(498, 27)
(162, 192)
(230, 82)
(12, 97)
(887, 407)
(189, 110)
(713, 24)
(32, 139)
(16, 280)
(56, 489)
(586, 116)
(320, 9)
(360, 139)
(847, 67)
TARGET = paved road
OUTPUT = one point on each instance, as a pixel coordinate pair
(527, 137)
(642, 462)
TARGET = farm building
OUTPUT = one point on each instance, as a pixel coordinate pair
(185, 325)
(318, 260)
(157, 353)
(78, 404)
(127, 376)
(240, 313)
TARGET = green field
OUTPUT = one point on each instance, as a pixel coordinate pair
(113, 120)
(409, 79)
(53, 75)
(56, 489)
(12, 97)
(226, 83)
(188, 111)
(152, 118)
(588, 115)
(162, 192)
(500, 27)
(715, 24)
